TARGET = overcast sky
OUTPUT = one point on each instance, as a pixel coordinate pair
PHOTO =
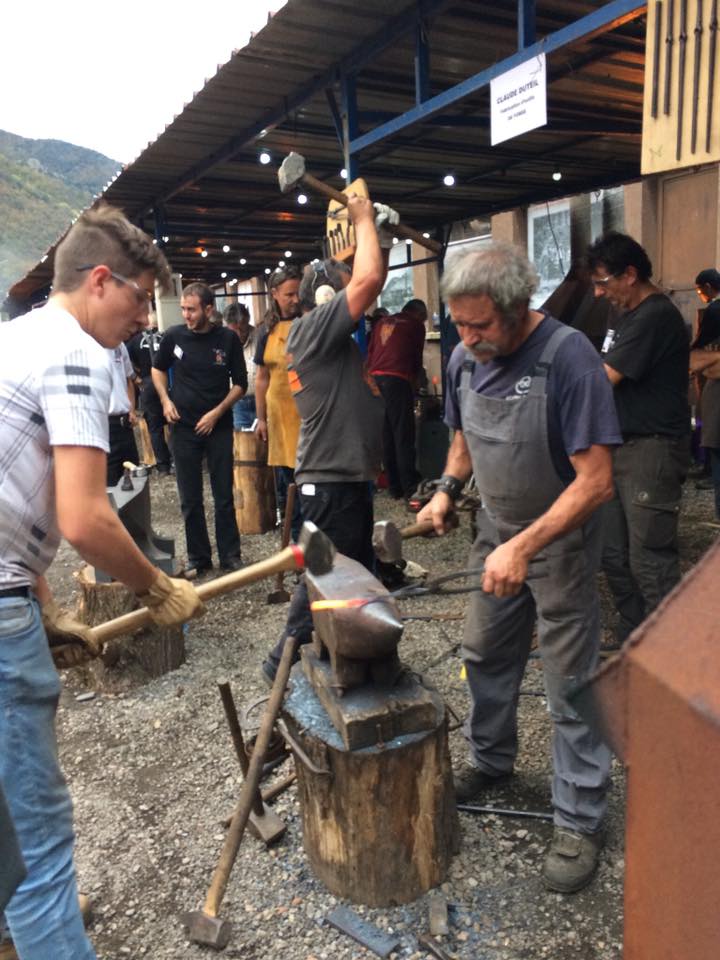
(112, 76)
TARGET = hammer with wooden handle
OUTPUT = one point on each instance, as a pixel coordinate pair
(292, 173)
(313, 551)
(387, 537)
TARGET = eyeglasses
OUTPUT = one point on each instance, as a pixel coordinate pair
(144, 297)
(603, 281)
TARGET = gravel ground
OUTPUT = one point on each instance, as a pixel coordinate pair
(153, 776)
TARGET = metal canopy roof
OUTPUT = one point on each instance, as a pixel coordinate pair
(322, 64)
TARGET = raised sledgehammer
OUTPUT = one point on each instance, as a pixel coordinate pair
(313, 551)
(204, 926)
(292, 173)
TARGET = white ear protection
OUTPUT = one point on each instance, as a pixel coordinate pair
(324, 294)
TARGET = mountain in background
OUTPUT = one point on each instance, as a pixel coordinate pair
(44, 185)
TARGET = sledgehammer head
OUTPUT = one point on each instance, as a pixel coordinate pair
(387, 542)
(210, 931)
(318, 549)
(291, 172)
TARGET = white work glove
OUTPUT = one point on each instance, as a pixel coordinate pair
(172, 600)
(385, 219)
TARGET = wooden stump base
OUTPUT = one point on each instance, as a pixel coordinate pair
(379, 824)
(132, 660)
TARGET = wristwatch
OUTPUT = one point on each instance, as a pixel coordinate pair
(451, 486)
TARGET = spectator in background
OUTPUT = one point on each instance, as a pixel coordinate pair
(122, 413)
(142, 349)
(646, 359)
(278, 420)
(395, 360)
(208, 377)
(705, 361)
(237, 319)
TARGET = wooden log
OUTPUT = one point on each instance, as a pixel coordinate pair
(133, 659)
(254, 489)
(380, 826)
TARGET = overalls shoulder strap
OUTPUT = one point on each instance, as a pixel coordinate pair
(466, 373)
(542, 367)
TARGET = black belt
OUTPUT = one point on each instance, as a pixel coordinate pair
(14, 592)
(122, 419)
(649, 436)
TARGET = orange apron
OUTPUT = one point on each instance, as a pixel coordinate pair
(283, 419)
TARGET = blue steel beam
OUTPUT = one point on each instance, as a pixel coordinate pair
(349, 125)
(603, 18)
(335, 114)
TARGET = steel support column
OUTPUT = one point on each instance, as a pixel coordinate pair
(349, 124)
(422, 63)
(527, 34)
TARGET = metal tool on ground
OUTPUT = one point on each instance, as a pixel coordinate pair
(204, 926)
(264, 823)
(280, 594)
(269, 793)
(314, 551)
(426, 942)
(292, 174)
(387, 538)
(505, 812)
(438, 915)
(373, 938)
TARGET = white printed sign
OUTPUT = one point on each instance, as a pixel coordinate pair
(518, 100)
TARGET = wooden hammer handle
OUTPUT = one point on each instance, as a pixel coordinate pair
(417, 529)
(287, 559)
(286, 527)
(250, 784)
(400, 229)
(426, 526)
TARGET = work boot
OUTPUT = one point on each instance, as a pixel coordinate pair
(474, 780)
(7, 949)
(269, 669)
(571, 860)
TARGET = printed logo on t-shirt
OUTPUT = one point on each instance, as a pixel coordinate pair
(178, 352)
(386, 331)
(523, 386)
(220, 357)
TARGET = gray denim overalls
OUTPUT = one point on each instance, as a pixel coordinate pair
(514, 471)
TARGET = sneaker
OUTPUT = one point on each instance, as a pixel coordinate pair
(571, 860)
(232, 564)
(705, 484)
(474, 780)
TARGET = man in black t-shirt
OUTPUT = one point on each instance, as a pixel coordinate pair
(205, 359)
(646, 359)
(142, 348)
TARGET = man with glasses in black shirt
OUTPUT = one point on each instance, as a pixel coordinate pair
(646, 359)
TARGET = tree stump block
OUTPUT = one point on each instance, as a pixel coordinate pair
(253, 484)
(380, 825)
(130, 660)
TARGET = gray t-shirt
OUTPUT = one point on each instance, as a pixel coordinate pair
(339, 404)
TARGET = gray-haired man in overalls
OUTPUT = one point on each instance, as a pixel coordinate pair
(534, 421)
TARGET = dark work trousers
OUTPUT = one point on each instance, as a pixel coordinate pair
(399, 454)
(122, 447)
(343, 511)
(155, 420)
(189, 448)
(714, 454)
(640, 526)
(284, 476)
